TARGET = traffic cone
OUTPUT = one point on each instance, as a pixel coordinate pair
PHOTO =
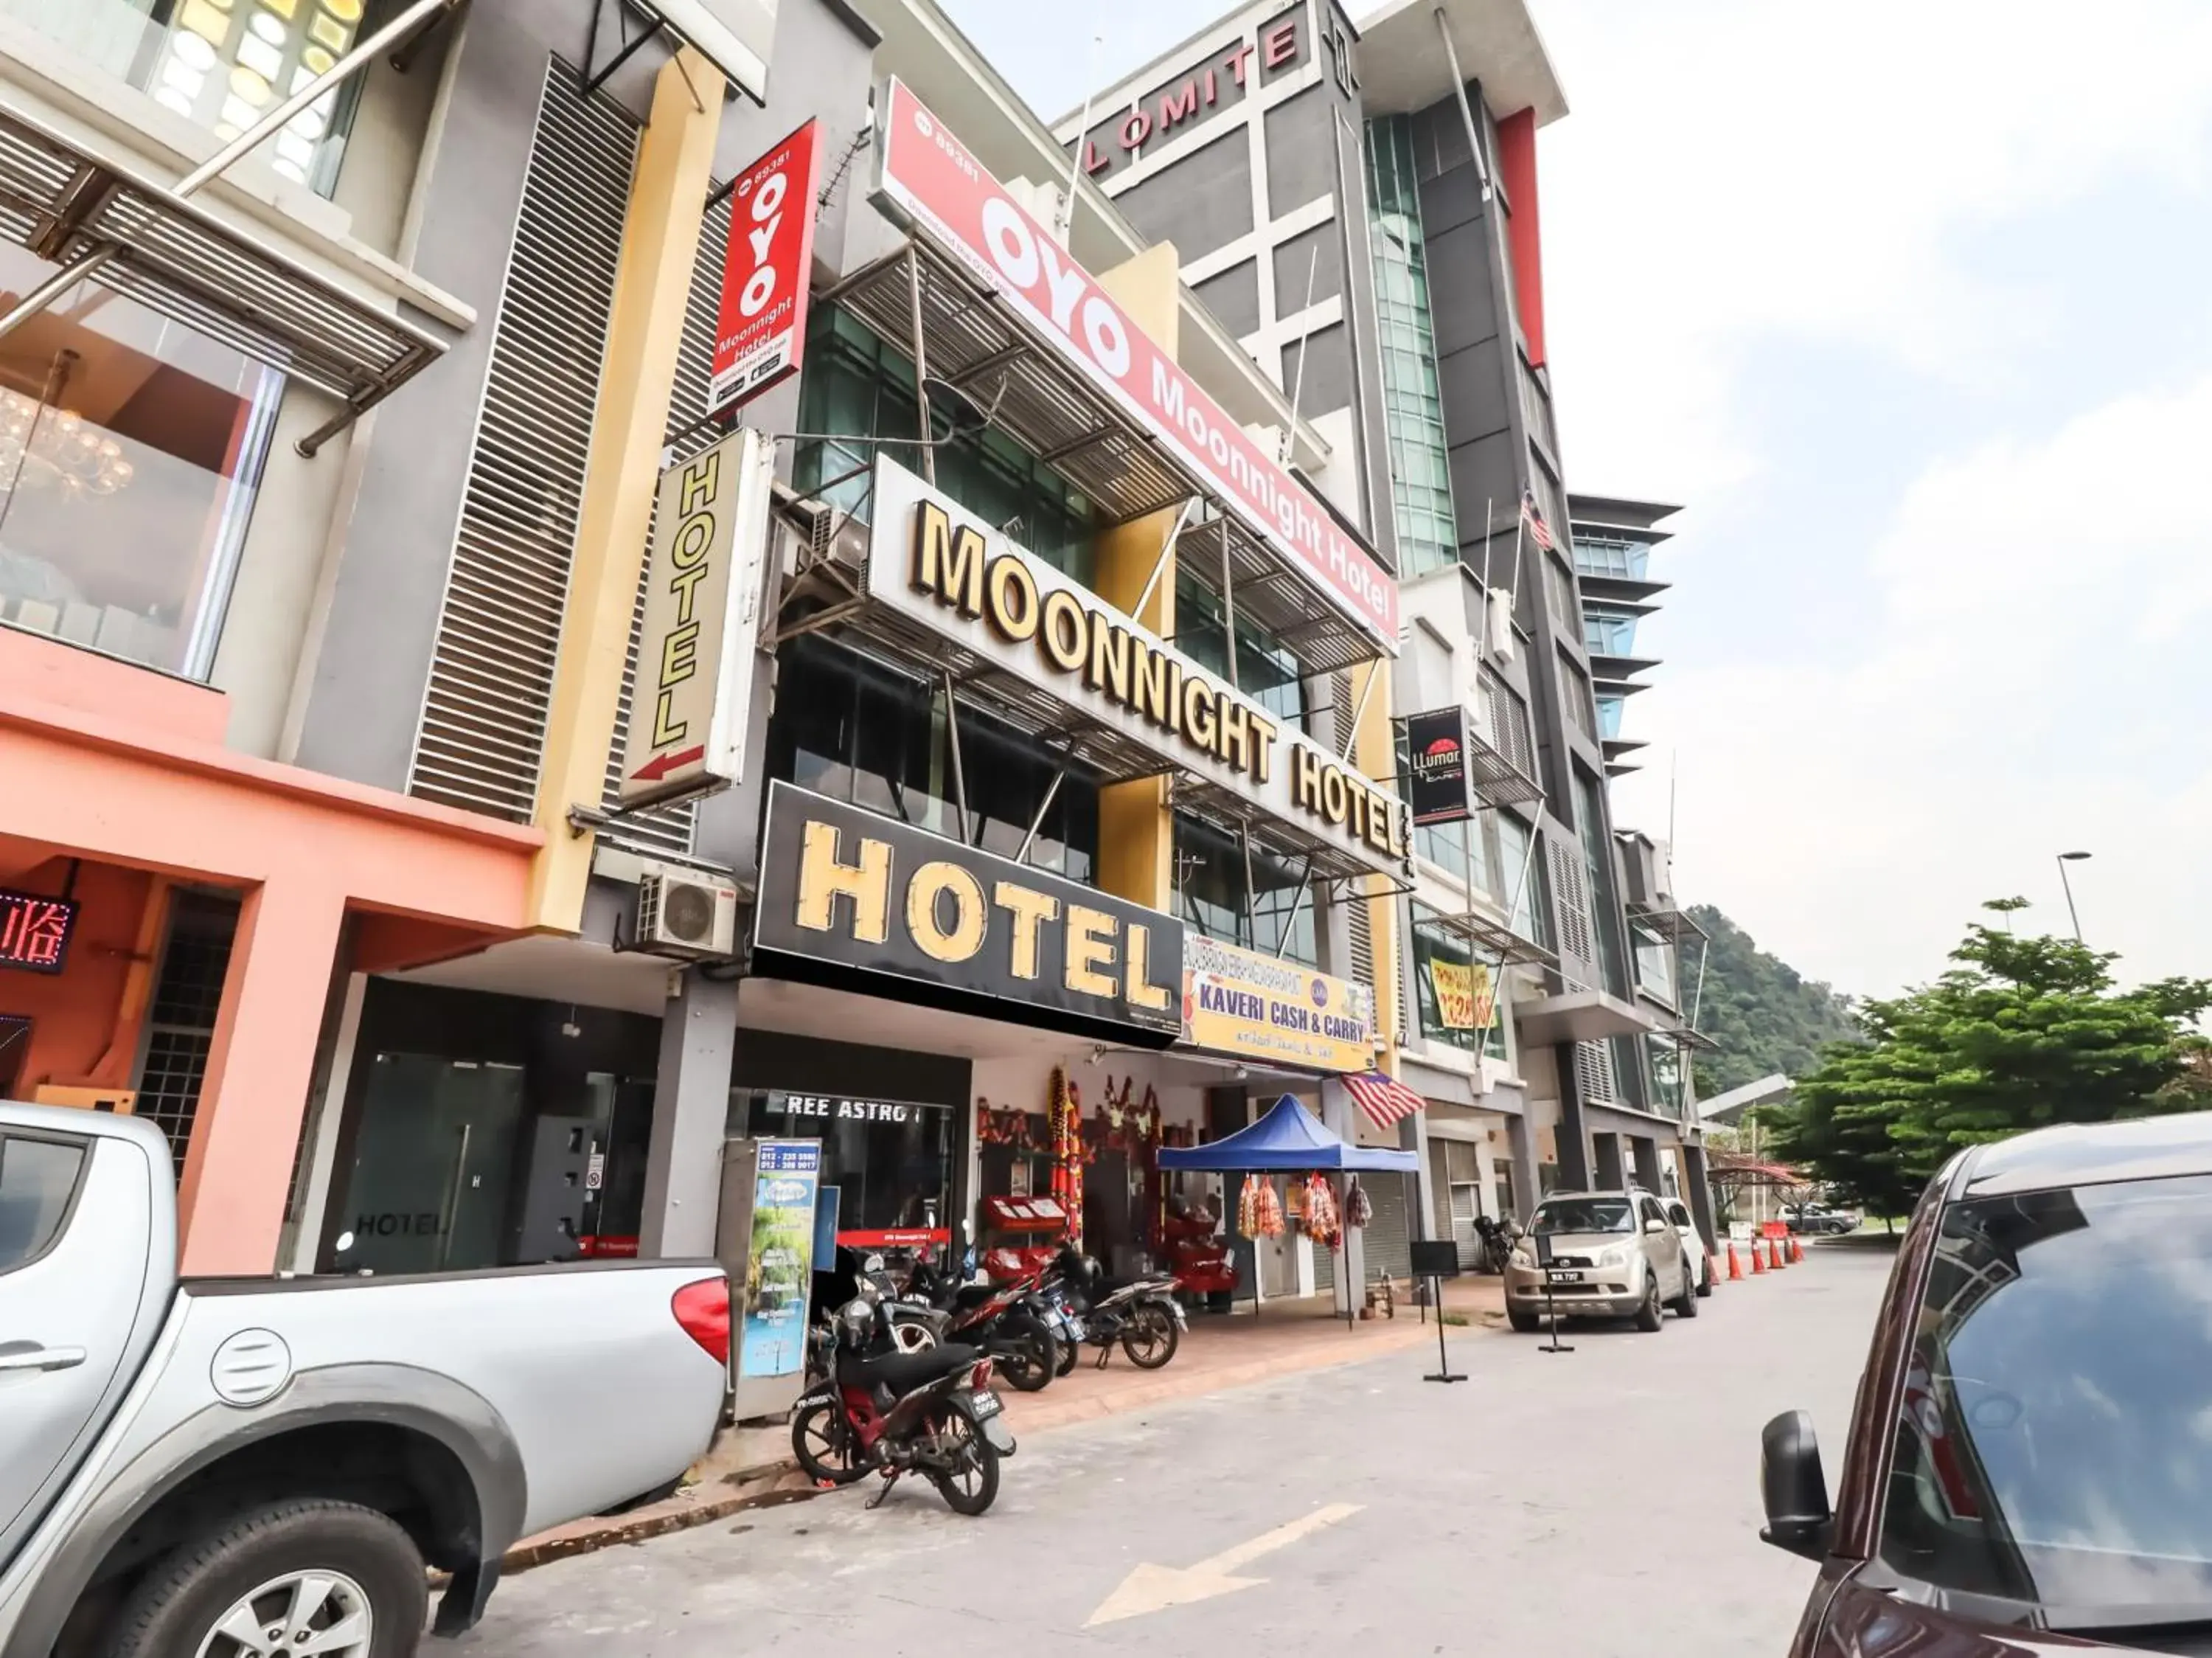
(1757, 1261)
(1781, 1254)
(1796, 1252)
(1773, 1256)
(1735, 1266)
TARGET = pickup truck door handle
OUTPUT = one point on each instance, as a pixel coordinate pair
(42, 1358)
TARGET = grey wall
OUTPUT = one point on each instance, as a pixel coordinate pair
(1202, 202)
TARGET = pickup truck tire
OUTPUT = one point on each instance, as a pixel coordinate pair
(179, 1611)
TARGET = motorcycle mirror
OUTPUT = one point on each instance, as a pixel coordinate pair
(874, 1264)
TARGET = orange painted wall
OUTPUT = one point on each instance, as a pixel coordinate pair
(74, 1010)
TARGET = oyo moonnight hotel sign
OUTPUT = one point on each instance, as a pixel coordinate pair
(934, 561)
(929, 182)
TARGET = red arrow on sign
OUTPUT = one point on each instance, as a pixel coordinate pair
(661, 765)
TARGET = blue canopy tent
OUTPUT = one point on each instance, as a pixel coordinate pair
(1288, 1140)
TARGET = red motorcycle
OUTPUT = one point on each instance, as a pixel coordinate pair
(1007, 1319)
(872, 1408)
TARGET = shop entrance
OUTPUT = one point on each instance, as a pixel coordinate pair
(429, 1187)
(889, 1161)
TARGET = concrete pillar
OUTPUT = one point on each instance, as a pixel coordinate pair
(1521, 1142)
(690, 1108)
(1606, 1171)
(1698, 1177)
(260, 1069)
(1645, 1150)
(1573, 1136)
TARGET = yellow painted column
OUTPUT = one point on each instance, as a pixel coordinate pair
(653, 287)
(1375, 751)
(1136, 828)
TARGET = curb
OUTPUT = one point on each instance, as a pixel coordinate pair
(766, 1484)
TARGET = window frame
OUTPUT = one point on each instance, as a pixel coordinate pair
(86, 1147)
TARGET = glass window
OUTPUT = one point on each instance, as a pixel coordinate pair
(1522, 887)
(1413, 404)
(889, 1173)
(1266, 672)
(1608, 633)
(2051, 1451)
(222, 65)
(1210, 879)
(1456, 993)
(1597, 854)
(1654, 964)
(130, 450)
(37, 1180)
(1565, 1215)
(1608, 716)
(1665, 1059)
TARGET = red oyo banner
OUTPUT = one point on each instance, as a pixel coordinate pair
(926, 178)
(762, 332)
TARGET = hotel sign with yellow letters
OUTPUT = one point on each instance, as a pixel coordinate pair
(941, 566)
(871, 899)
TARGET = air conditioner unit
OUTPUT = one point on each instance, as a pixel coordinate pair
(686, 914)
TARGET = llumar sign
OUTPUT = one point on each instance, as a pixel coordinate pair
(842, 886)
(928, 180)
(695, 662)
(960, 579)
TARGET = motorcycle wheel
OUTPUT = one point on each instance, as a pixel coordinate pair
(1150, 1337)
(1026, 1353)
(973, 1485)
(824, 1446)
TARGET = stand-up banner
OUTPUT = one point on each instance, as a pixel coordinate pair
(762, 332)
(929, 182)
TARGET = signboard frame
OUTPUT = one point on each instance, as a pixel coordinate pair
(24, 931)
(1437, 787)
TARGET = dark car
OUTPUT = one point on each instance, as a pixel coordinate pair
(2030, 1462)
(1818, 1220)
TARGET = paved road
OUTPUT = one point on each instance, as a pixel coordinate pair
(1586, 1504)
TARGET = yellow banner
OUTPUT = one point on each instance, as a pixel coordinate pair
(1464, 997)
(1239, 1002)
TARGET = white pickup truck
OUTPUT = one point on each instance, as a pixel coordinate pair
(262, 1467)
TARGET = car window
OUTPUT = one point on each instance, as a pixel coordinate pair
(36, 1180)
(1568, 1215)
(2052, 1448)
(1651, 1212)
(1679, 1216)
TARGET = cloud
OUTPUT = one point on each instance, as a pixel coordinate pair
(2034, 683)
(1739, 169)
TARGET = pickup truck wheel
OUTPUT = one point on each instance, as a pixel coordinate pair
(301, 1579)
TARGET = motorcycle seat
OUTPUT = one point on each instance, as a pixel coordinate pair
(903, 1371)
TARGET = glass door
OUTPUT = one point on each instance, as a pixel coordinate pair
(432, 1163)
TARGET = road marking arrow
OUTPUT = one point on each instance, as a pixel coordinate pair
(1155, 1588)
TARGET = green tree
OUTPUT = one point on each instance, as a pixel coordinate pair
(2025, 1032)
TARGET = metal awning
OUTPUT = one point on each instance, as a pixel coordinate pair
(1495, 939)
(828, 593)
(181, 261)
(974, 343)
(1668, 923)
(1496, 780)
(1682, 1036)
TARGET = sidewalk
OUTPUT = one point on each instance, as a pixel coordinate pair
(751, 1467)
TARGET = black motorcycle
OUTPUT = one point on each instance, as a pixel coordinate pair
(869, 1407)
(1498, 1238)
(1006, 1320)
(1141, 1314)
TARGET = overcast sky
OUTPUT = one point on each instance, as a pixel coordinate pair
(1911, 305)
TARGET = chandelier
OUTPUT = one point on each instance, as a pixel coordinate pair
(48, 447)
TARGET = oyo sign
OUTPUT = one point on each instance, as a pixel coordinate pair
(928, 180)
(761, 330)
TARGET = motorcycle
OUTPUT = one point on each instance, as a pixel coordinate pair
(1498, 1238)
(1003, 1318)
(1142, 1315)
(871, 1408)
(914, 1326)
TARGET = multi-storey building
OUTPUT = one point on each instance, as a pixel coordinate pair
(1360, 204)
(1051, 681)
(1613, 543)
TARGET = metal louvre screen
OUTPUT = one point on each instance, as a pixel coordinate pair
(1594, 1073)
(668, 828)
(491, 674)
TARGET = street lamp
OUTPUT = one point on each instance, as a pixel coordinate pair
(2065, 858)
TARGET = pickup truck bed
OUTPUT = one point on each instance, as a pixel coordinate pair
(144, 1421)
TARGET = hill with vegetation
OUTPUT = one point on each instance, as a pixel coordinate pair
(1766, 1015)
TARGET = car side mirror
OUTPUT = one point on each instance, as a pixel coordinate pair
(1798, 1518)
(1657, 1226)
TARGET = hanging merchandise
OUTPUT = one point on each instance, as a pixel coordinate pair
(1323, 1224)
(1247, 1207)
(1358, 1210)
(1065, 1122)
(1267, 1210)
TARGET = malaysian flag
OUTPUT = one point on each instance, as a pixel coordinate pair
(1386, 1100)
(1538, 530)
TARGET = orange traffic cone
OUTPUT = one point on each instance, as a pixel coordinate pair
(1758, 1261)
(1796, 1252)
(1773, 1256)
(1735, 1266)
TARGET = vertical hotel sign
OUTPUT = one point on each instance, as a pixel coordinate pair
(765, 274)
(693, 691)
(929, 182)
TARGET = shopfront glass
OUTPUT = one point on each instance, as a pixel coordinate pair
(130, 450)
(890, 1160)
(428, 1189)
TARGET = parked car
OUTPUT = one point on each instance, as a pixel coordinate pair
(1695, 1255)
(1818, 1220)
(184, 1459)
(2027, 1467)
(1598, 1255)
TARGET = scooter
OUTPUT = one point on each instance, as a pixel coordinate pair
(878, 1409)
(1142, 1315)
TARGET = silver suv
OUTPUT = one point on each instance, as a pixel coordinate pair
(1598, 1255)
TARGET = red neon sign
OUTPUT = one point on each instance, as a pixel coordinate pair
(762, 330)
(929, 180)
(34, 931)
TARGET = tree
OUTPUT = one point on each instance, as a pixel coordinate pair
(1765, 1016)
(2026, 1033)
